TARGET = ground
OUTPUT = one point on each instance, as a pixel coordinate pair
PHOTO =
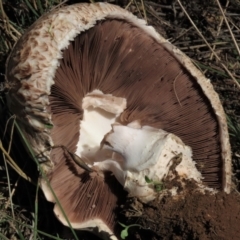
(195, 216)
(27, 214)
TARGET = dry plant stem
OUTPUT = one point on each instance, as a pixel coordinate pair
(7, 25)
(238, 29)
(154, 14)
(11, 135)
(11, 162)
(138, 8)
(12, 117)
(4, 14)
(181, 35)
(12, 28)
(60, 4)
(200, 34)
(78, 160)
(144, 11)
(15, 30)
(226, 21)
(203, 45)
(12, 193)
(35, 223)
(35, 5)
(159, 5)
(128, 5)
(150, 8)
(5, 162)
(5, 43)
(9, 188)
(218, 30)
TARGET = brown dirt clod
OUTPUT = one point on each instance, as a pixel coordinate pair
(195, 216)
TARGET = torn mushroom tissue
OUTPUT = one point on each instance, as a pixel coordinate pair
(131, 151)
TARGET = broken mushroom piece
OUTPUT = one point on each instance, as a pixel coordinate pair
(79, 58)
(149, 153)
(100, 112)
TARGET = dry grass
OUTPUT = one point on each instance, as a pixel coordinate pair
(207, 31)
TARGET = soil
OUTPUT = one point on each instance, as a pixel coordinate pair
(195, 216)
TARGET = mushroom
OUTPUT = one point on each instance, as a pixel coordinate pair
(93, 87)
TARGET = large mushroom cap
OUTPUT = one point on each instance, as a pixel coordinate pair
(78, 49)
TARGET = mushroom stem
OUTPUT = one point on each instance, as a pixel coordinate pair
(100, 111)
(147, 152)
(132, 152)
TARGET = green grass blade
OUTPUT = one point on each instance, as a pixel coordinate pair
(45, 178)
(3, 237)
(39, 4)
(31, 8)
(20, 234)
(36, 214)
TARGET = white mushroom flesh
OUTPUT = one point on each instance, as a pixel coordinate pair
(147, 152)
(100, 112)
(131, 152)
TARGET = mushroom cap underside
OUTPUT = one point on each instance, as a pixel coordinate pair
(111, 50)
